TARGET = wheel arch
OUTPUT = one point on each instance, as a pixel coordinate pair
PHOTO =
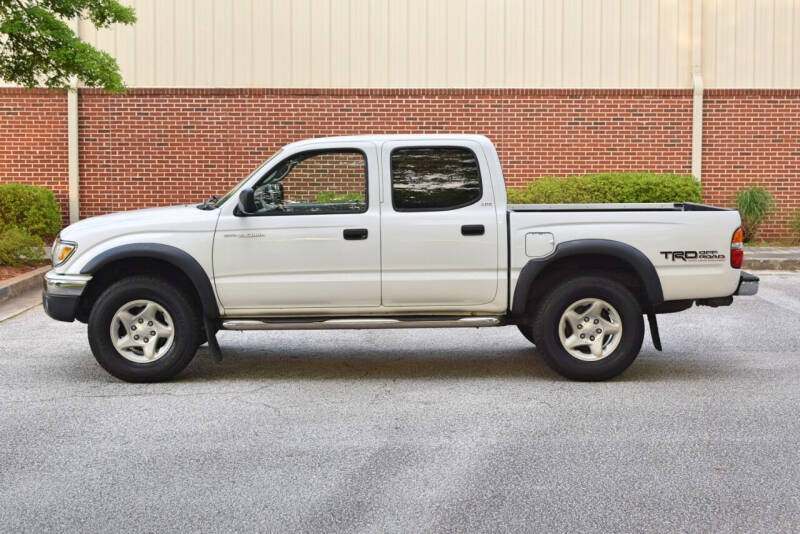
(601, 255)
(170, 262)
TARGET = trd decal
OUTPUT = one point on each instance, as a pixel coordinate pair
(693, 255)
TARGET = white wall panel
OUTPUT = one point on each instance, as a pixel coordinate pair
(610, 39)
(453, 43)
(300, 25)
(514, 45)
(340, 46)
(534, 43)
(203, 38)
(751, 43)
(398, 44)
(476, 44)
(281, 51)
(436, 45)
(262, 42)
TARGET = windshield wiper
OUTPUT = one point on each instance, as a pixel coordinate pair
(209, 204)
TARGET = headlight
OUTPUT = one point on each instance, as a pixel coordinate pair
(62, 250)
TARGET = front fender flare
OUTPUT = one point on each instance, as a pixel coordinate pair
(640, 264)
(175, 256)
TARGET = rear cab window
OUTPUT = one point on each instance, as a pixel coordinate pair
(434, 178)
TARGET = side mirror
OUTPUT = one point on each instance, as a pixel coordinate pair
(247, 201)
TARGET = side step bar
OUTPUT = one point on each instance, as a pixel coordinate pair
(358, 323)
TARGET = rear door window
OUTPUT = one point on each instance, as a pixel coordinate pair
(434, 178)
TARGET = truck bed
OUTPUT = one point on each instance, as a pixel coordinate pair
(641, 206)
(656, 230)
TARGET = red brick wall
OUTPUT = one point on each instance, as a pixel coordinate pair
(33, 139)
(166, 146)
(180, 145)
(752, 137)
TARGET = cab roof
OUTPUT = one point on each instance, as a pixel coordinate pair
(379, 139)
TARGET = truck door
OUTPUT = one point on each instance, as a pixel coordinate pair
(439, 235)
(313, 241)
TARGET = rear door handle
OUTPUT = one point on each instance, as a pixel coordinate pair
(473, 229)
(354, 234)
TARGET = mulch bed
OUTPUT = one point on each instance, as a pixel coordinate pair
(7, 272)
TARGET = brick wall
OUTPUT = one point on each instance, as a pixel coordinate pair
(752, 137)
(33, 140)
(167, 146)
(180, 145)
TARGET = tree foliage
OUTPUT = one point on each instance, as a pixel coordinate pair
(38, 47)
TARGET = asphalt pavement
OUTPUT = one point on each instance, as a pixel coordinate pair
(410, 430)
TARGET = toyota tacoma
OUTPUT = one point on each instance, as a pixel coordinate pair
(403, 231)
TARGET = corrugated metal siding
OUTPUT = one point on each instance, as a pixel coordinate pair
(453, 43)
(751, 43)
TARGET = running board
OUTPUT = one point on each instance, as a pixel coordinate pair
(357, 323)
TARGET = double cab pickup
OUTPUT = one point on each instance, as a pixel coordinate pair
(389, 231)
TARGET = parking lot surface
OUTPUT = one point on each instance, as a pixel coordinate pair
(410, 430)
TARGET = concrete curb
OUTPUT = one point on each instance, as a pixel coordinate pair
(18, 285)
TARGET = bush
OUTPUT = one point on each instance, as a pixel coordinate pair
(18, 247)
(31, 208)
(754, 204)
(795, 225)
(608, 188)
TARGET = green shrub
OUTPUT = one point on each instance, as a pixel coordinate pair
(754, 204)
(31, 208)
(608, 188)
(328, 197)
(794, 224)
(18, 247)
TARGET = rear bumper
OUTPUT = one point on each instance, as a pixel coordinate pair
(61, 294)
(748, 285)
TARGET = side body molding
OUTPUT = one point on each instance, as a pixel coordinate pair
(177, 257)
(635, 258)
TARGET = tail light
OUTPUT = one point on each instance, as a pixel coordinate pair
(737, 249)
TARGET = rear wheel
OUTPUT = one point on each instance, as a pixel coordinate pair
(589, 328)
(144, 329)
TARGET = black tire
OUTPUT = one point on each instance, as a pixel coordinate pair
(527, 331)
(185, 321)
(556, 302)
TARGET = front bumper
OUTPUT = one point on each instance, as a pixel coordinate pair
(748, 284)
(62, 293)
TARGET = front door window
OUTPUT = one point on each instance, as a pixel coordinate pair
(319, 182)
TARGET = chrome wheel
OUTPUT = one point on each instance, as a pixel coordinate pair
(142, 331)
(590, 329)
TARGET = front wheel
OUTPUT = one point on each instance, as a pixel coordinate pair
(589, 328)
(144, 329)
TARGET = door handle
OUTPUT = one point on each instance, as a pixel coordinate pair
(355, 234)
(473, 229)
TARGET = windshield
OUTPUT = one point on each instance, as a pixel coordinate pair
(230, 193)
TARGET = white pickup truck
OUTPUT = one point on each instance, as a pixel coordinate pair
(386, 231)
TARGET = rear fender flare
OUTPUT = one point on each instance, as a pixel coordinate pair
(640, 264)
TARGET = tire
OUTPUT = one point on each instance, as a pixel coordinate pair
(527, 331)
(610, 308)
(175, 320)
